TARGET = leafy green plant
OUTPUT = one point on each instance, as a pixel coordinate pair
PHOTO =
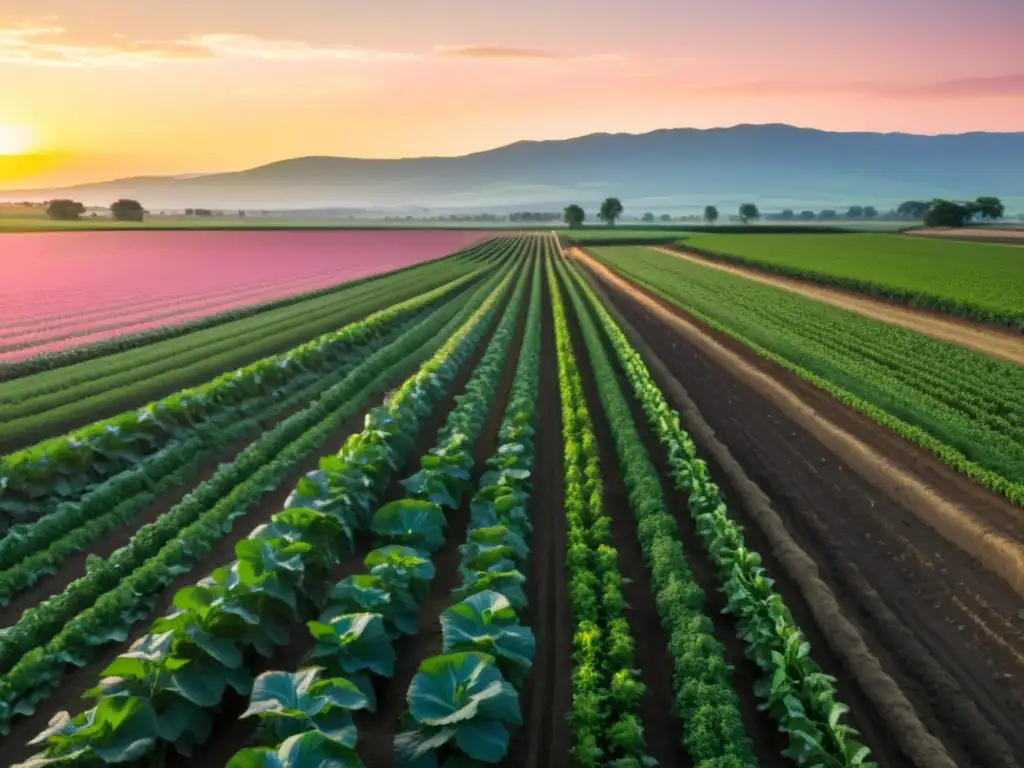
(353, 643)
(299, 751)
(486, 622)
(457, 703)
(292, 703)
(411, 522)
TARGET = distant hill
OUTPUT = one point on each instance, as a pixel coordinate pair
(772, 165)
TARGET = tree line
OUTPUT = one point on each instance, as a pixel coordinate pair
(936, 213)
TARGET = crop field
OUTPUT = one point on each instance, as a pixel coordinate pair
(982, 281)
(61, 290)
(487, 517)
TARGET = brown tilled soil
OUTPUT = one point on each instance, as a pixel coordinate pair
(949, 631)
(546, 697)
(1009, 235)
(77, 680)
(984, 339)
(377, 729)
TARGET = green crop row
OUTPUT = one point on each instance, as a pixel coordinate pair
(606, 692)
(110, 600)
(793, 689)
(82, 353)
(160, 694)
(708, 709)
(977, 280)
(485, 650)
(33, 479)
(870, 366)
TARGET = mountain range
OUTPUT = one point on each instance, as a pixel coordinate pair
(680, 169)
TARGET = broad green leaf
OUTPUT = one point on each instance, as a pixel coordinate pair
(411, 522)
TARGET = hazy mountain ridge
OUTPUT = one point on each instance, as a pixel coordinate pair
(674, 168)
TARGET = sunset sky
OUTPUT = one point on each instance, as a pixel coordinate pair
(93, 89)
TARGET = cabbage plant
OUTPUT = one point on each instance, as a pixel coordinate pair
(299, 751)
(353, 643)
(459, 704)
(411, 522)
(291, 703)
(486, 622)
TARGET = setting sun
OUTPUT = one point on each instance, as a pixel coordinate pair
(15, 139)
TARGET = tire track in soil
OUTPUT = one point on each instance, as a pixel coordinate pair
(546, 699)
(377, 729)
(768, 741)
(79, 679)
(869, 551)
(231, 734)
(662, 730)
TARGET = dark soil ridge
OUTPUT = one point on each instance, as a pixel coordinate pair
(546, 697)
(656, 711)
(230, 733)
(768, 741)
(79, 679)
(809, 487)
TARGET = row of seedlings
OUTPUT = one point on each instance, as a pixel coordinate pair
(605, 687)
(705, 700)
(162, 693)
(462, 703)
(366, 612)
(793, 689)
(35, 479)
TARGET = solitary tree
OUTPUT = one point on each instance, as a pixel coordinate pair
(855, 212)
(648, 218)
(787, 214)
(990, 208)
(710, 214)
(870, 212)
(913, 209)
(665, 217)
(749, 212)
(946, 213)
(807, 215)
(128, 210)
(611, 209)
(574, 216)
(65, 210)
(827, 214)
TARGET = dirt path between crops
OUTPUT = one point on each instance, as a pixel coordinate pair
(985, 340)
(948, 632)
(987, 235)
(546, 698)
